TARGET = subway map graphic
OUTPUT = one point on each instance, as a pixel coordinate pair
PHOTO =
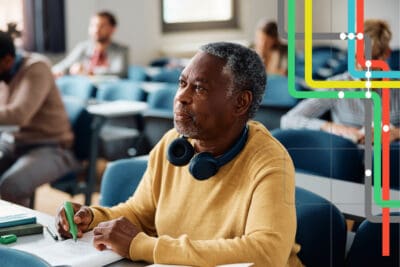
(359, 52)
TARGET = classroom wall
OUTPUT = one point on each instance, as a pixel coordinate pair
(140, 27)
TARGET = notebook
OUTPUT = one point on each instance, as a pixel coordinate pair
(20, 230)
(9, 216)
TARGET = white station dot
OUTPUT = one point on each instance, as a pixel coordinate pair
(341, 94)
(368, 63)
(368, 84)
(360, 36)
(368, 74)
(386, 128)
(368, 94)
(343, 36)
(351, 36)
(368, 172)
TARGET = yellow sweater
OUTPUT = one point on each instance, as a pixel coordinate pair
(245, 213)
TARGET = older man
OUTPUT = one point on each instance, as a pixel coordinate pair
(98, 56)
(218, 188)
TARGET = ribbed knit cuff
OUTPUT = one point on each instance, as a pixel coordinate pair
(98, 217)
(142, 247)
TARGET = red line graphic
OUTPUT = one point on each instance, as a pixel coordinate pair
(385, 134)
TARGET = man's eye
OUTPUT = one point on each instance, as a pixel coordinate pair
(182, 83)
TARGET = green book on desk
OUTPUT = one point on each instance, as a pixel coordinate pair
(16, 219)
(20, 230)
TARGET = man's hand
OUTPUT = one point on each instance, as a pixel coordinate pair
(83, 217)
(394, 135)
(346, 131)
(77, 69)
(116, 234)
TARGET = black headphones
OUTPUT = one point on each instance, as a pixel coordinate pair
(203, 165)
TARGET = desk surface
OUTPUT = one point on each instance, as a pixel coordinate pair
(45, 238)
(349, 197)
(117, 108)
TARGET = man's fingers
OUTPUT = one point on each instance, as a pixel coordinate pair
(100, 247)
(99, 241)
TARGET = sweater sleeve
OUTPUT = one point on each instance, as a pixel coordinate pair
(306, 114)
(138, 209)
(268, 237)
(76, 56)
(28, 96)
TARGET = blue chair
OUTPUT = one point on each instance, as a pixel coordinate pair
(276, 101)
(121, 137)
(321, 231)
(167, 75)
(85, 129)
(394, 59)
(120, 90)
(76, 86)
(366, 249)
(160, 62)
(137, 73)
(10, 257)
(321, 54)
(120, 180)
(322, 153)
(394, 175)
(159, 118)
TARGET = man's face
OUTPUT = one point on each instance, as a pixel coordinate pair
(6, 63)
(203, 106)
(100, 29)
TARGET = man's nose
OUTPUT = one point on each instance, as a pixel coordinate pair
(184, 95)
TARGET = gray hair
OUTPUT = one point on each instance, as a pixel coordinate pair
(246, 67)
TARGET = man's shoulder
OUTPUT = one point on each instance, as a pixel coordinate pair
(261, 143)
(35, 59)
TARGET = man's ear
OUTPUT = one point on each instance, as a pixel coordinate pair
(8, 61)
(243, 102)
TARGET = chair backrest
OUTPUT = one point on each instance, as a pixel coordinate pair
(137, 73)
(322, 153)
(81, 121)
(277, 92)
(366, 249)
(10, 257)
(76, 86)
(276, 101)
(120, 180)
(163, 98)
(321, 54)
(120, 90)
(321, 231)
(167, 75)
(394, 59)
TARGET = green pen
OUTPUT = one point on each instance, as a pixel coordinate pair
(69, 212)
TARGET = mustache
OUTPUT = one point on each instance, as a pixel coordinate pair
(180, 109)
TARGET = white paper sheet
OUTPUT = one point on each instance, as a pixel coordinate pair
(224, 265)
(68, 252)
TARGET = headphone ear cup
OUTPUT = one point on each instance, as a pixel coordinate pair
(180, 152)
(203, 166)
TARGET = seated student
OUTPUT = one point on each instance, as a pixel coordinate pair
(270, 49)
(39, 152)
(98, 56)
(196, 214)
(348, 114)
